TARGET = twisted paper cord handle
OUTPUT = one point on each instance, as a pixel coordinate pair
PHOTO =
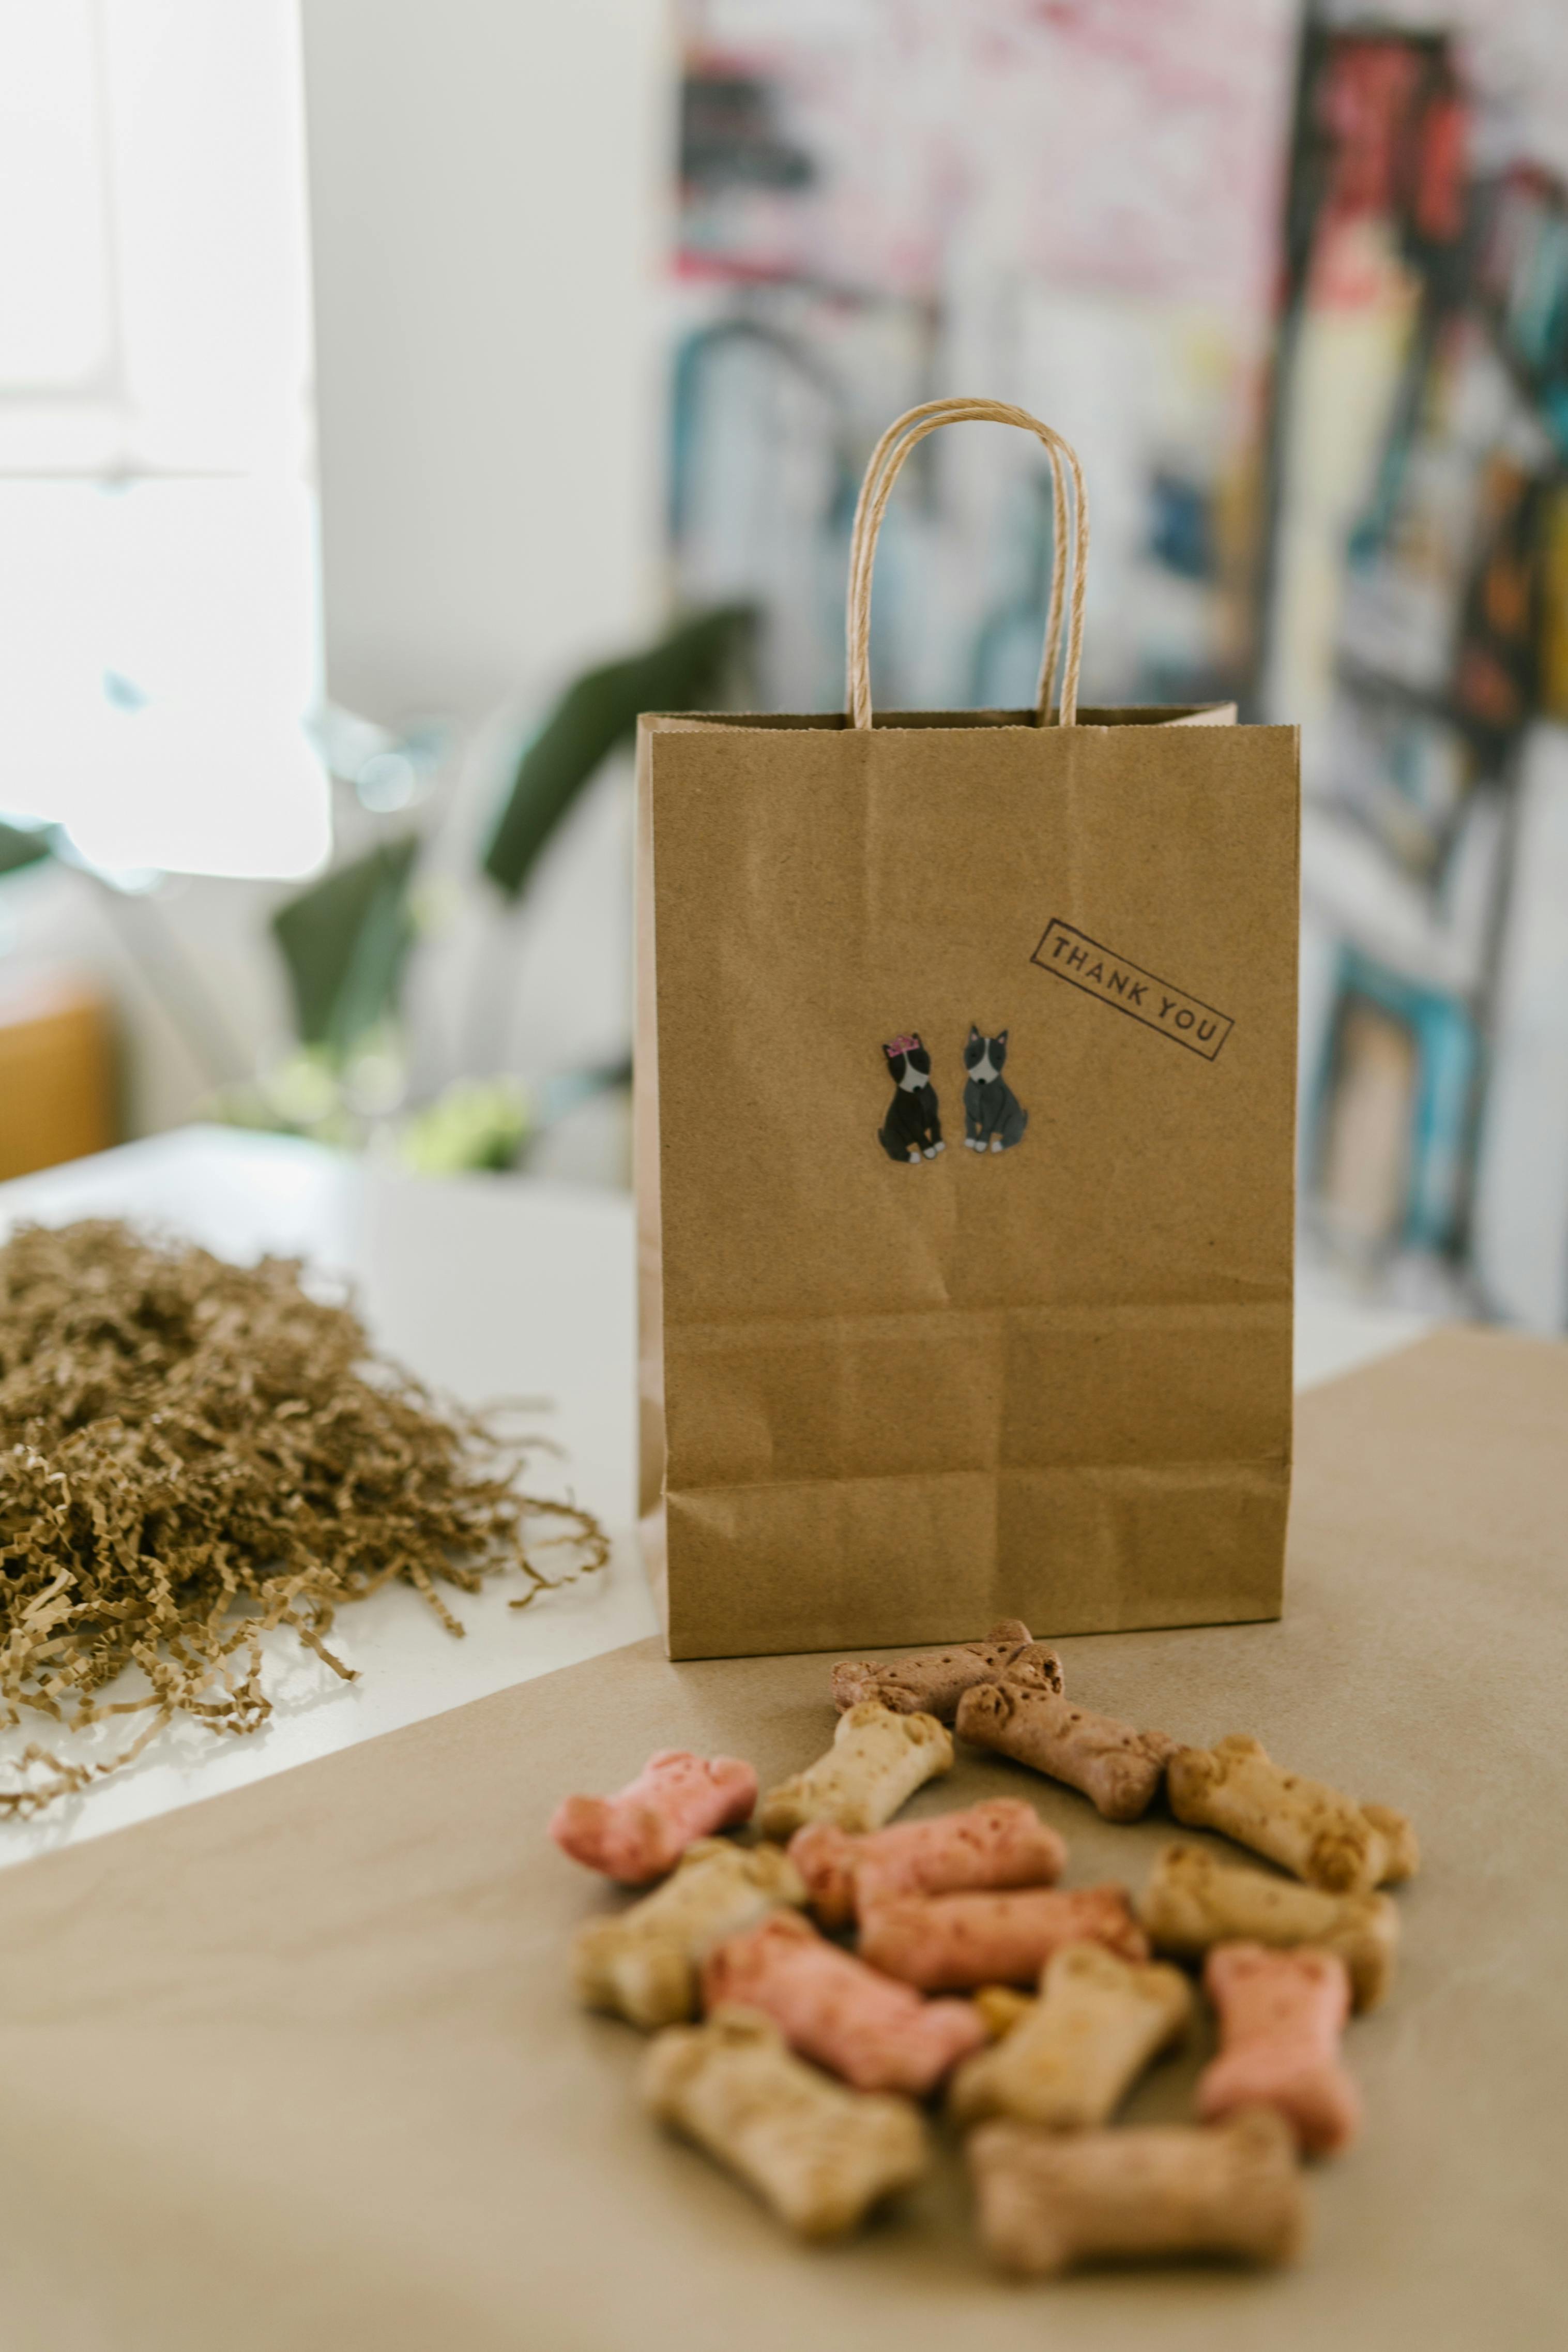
(889, 454)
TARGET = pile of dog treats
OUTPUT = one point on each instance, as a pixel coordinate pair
(806, 2073)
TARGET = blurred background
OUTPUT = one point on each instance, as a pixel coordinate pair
(395, 395)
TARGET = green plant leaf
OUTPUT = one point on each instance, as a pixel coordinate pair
(598, 712)
(19, 848)
(345, 942)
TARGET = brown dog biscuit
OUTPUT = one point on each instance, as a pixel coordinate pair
(1117, 1767)
(933, 1682)
(1050, 2201)
(1193, 1901)
(1326, 1838)
(820, 2155)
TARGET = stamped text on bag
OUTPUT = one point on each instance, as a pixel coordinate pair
(1072, 955)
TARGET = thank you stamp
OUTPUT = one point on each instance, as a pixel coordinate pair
(1072, 956)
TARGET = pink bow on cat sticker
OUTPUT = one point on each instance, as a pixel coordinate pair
(912, 1131)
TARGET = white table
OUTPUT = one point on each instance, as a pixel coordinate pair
(486, 1286)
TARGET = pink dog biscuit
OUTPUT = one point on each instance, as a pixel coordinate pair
(1003, 1842)
(1117, 1768)
(1280, 2018)
(948, 1943)
(933, 1682)
(878, 2035)
(1050, 2201)
(642, 1832)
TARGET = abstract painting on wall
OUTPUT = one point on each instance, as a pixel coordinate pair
(1075, 206)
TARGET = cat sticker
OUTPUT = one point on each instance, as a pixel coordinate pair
(912, 1131)
(994, 1119)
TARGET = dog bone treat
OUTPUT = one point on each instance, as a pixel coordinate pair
(1193, 1901)
(1117, 1768)
(1002, 1842)
(879, 2035)
(1050, 2201)
(1306, 1827)
(876, 1764)
(933, 1682)
(642, 1965)
(642, 1832)
(1280, 2018)
(1003, 2007)
(1097, 2024)
(820, 2155)
(950, 1943)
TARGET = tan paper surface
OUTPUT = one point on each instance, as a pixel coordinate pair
(891, 1402)
(300, 2066)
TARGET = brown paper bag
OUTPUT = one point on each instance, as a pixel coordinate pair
(966, 1076)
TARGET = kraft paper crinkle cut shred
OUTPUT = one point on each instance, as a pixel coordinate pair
(193, 1453)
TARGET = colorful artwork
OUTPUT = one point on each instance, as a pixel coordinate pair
(1415, 633)
(1071, 205)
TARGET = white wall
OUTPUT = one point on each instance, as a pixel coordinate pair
(488, 180)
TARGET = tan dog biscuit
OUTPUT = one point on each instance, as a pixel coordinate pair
(642, 1965)
(1003, 2007)
(876, 1764)
(1002, 1842)
(1117, 1768)
(1280, 2018)
(1051, 2202)
(933, 1682)
(877, 2033)
(950, 1943)
(1098, 2022)
(1193, 1901)
(821, 2156)
(1323, 1837)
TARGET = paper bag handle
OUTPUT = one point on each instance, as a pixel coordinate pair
(881, 473)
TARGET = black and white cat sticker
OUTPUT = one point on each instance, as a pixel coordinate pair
(912, 1131)
(994, 1119)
